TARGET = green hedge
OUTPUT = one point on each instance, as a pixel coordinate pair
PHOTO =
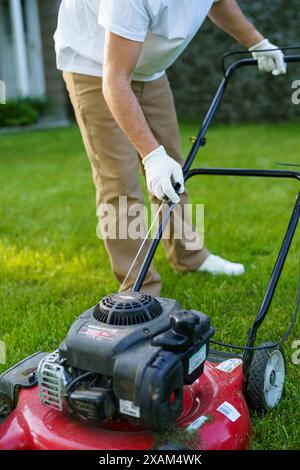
(252, 96)
(21, 112)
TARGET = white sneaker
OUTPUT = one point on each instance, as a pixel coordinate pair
(216, 265)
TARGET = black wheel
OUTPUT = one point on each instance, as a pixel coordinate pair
(266, 378)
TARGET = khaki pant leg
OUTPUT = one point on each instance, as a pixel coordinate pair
(158, 106)
(115, 166)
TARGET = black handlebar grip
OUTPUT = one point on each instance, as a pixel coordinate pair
(176, 188)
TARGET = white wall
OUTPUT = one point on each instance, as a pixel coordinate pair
(21, 61)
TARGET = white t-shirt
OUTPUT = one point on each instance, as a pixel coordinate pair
(164, 26)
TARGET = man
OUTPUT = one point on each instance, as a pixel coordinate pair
(113, 54)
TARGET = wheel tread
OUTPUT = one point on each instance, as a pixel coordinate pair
(255, 385)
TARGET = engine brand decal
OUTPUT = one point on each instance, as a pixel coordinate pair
(126, 297)
(99, 333)
(198, 423)
(229, 365)
(197, 359)
(127, 407)
(229, 411)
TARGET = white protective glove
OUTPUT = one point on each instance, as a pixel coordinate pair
(270, 60)
(162, 173)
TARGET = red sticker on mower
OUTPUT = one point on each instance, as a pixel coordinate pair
(99, 333)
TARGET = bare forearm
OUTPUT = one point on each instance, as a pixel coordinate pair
(127, 112)
(228, 16)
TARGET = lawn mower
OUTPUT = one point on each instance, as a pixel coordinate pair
(138, 373)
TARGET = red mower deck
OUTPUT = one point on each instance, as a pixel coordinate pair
(214, 406)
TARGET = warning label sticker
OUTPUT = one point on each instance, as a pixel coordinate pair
(197, 359)
(229, 411)
(127, 407)
(229, 365)
(198, 423)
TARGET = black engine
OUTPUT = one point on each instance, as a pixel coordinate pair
(128, 357)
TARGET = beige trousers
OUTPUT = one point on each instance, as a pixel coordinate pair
(115, 166)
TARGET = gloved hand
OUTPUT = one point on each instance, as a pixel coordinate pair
(269, 61)
(162, 172)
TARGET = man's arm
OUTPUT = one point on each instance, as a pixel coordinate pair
(228, 16)
(120, 59)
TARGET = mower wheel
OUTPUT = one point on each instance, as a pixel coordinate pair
(266, 378)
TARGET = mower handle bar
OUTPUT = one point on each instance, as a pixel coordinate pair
(289, 59)
(200, 140)
(247, 53)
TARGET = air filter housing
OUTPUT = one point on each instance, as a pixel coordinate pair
(127, 309)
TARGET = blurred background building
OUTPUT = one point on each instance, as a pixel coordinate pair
(27, 58)
(27, 63)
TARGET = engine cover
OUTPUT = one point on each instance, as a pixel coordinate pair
(97, 346)
(129, 356)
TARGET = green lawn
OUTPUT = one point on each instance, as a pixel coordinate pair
(52, 266)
